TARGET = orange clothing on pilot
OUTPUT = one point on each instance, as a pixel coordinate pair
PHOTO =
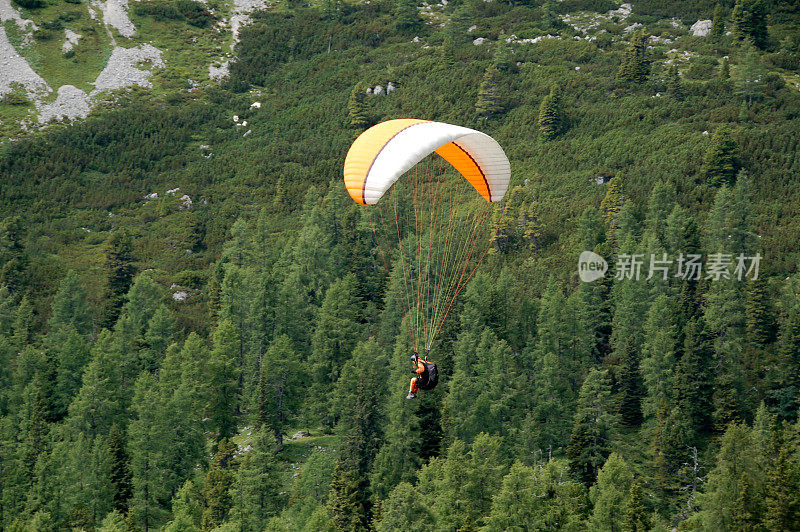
(416, 381)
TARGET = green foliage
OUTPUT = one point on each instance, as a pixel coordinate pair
(590, 441)
(721, 161)
(635, 65)
(357, 108)
(490, 101)
(550, 114)
(749, 21)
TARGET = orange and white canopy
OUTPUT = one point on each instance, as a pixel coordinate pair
(384, 152)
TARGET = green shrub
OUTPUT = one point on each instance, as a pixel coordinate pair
(30, 4)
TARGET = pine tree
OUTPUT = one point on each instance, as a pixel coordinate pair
(13, 259)
(336, 334)
(637, 517)
(721, 161)
(550, 114)
(718, 23)
(635, 65)
(749, 21)
(610, 493)
(749, 80)
(346, 503)
(735, 485)
(406, 15)
(70, 306)
(217, 492)
(490, 100)
(503, 55)
(589, 443)
(724, 71)
(758, 314)
(674, 82)
(255, 489)
(120, 268)
(223, 377)
(538, 498)
(630, 384)
(784, 379)
(783, 491)
(120, 476)
(23, 323)
(280, 387)
(101, 400)
(357, 108)
(406, 510)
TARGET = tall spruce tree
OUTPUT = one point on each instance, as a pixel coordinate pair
(120, 270)
(718, 23)
(490, 101)
(721, 160)
(595, 423)
(749, 21)
(550, 114)
(635, 65)
(357, 108)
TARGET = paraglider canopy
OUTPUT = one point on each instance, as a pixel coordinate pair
(384, 152)
(431, 228)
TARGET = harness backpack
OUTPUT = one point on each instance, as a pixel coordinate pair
(432, 373)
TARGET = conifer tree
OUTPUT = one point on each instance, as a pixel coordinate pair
(783, 379)
(503, 55)
(399, 457)
(718, 23)
(406, 15)
(783, 491)
(658, 355)
(219, 480)
(749, 21)
(120, 268)
(610, 494)
(758, 314)
(735, 487)
(637, 517)
(101, 399)
(281, 382)
(630, 384)
(538, 498)
(635, 65)
(550, 114)
(749, 80)
(721, 160)
(674, 82)
(70, 306)
(724, 71)
(357, 108)
(594, 426)
(611, 205)
(23, 323)
(255, 489)
(490, 100)
(13, 259)
(336, 334)
(222, 376)
(120, 474)
(160, 333)
(406, 510)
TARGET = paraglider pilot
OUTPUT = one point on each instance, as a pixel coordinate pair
(427, 375)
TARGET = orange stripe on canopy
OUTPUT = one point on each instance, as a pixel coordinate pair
(466, 165)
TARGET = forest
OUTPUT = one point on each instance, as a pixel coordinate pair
(197, 331)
